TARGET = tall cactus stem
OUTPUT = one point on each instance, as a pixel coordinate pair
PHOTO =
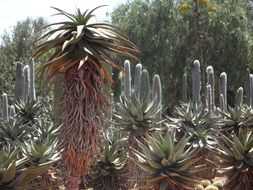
(32, 92)
(145, 84)
(26, 83)
(196, 82)
(251, 90)
(127, 79)
(211, 81)
(157, 89)
(222, 103)
(12, 111)
(223, 88)
(5, 107)
(209, 98)
(18, 93)
(247, 86)
(239, 97)
(185, 86)
(137, 79)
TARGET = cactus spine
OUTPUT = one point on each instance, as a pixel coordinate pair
(18, 89)
(32, 93)
(239, 97)
(223, 88)
(5, 106)
(196, 84)
(127, 79)
(185, 86)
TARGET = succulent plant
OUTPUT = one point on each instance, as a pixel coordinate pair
(235, 161)
(168, 163)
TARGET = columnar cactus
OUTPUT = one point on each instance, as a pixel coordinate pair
(251, 90)
(239, 97)
(5, 106)
(222, 103)
(32, 93)
(26, 83)
(145, 85)
(247, 86)
(18, 90)
(223, 88)
(196, 82)
(210, 80)
(137, 79)
(12, 111)
(185, 86)
(127, 79)
(209, 104)
(157, 90)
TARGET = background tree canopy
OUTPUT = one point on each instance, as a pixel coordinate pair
(168, 38)
(15, 47)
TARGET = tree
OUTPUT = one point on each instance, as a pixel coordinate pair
(167, 38)
(15, 47)
(80, 52)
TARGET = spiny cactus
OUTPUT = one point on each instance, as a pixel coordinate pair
(209, 104)
(18, 92)
(127, 79)
(211, 82)
(12, 111)
(32, 93)
(26, 83)
(145, 85)
(137, 79)
(185, 86)
(196, 82)
(5, 106)
(222, 103)
(157, 90)
(223, 88)
(239, 97)
(247, 86)
(251, 90)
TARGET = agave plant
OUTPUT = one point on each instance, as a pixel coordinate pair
(14, 175)
(108, 172)
(235, 161)
(13, 131)
(201, 127)
(169, 164)
(29, 111)
(81, 51)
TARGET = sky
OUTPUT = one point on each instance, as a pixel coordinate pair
(12, 11)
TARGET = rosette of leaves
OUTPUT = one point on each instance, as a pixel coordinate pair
(235, 161)
(14, 174)
(168, 163)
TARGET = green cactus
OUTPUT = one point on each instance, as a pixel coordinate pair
(5, 106)
(145, 85)
(12, 111)
(137, 79)
(157, 90)
(26, 83)
(222, 103)
(247, 86)
(223, 88)
(18, 93)
(196, 82)
(127, 79)
(211, 82)
(185, 86)
(251, 90)
(209, 104)
(239, 97)
(32, 92)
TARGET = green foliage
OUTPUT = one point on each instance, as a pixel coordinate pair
(167, 37)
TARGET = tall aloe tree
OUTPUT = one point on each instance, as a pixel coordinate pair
(81, 51)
